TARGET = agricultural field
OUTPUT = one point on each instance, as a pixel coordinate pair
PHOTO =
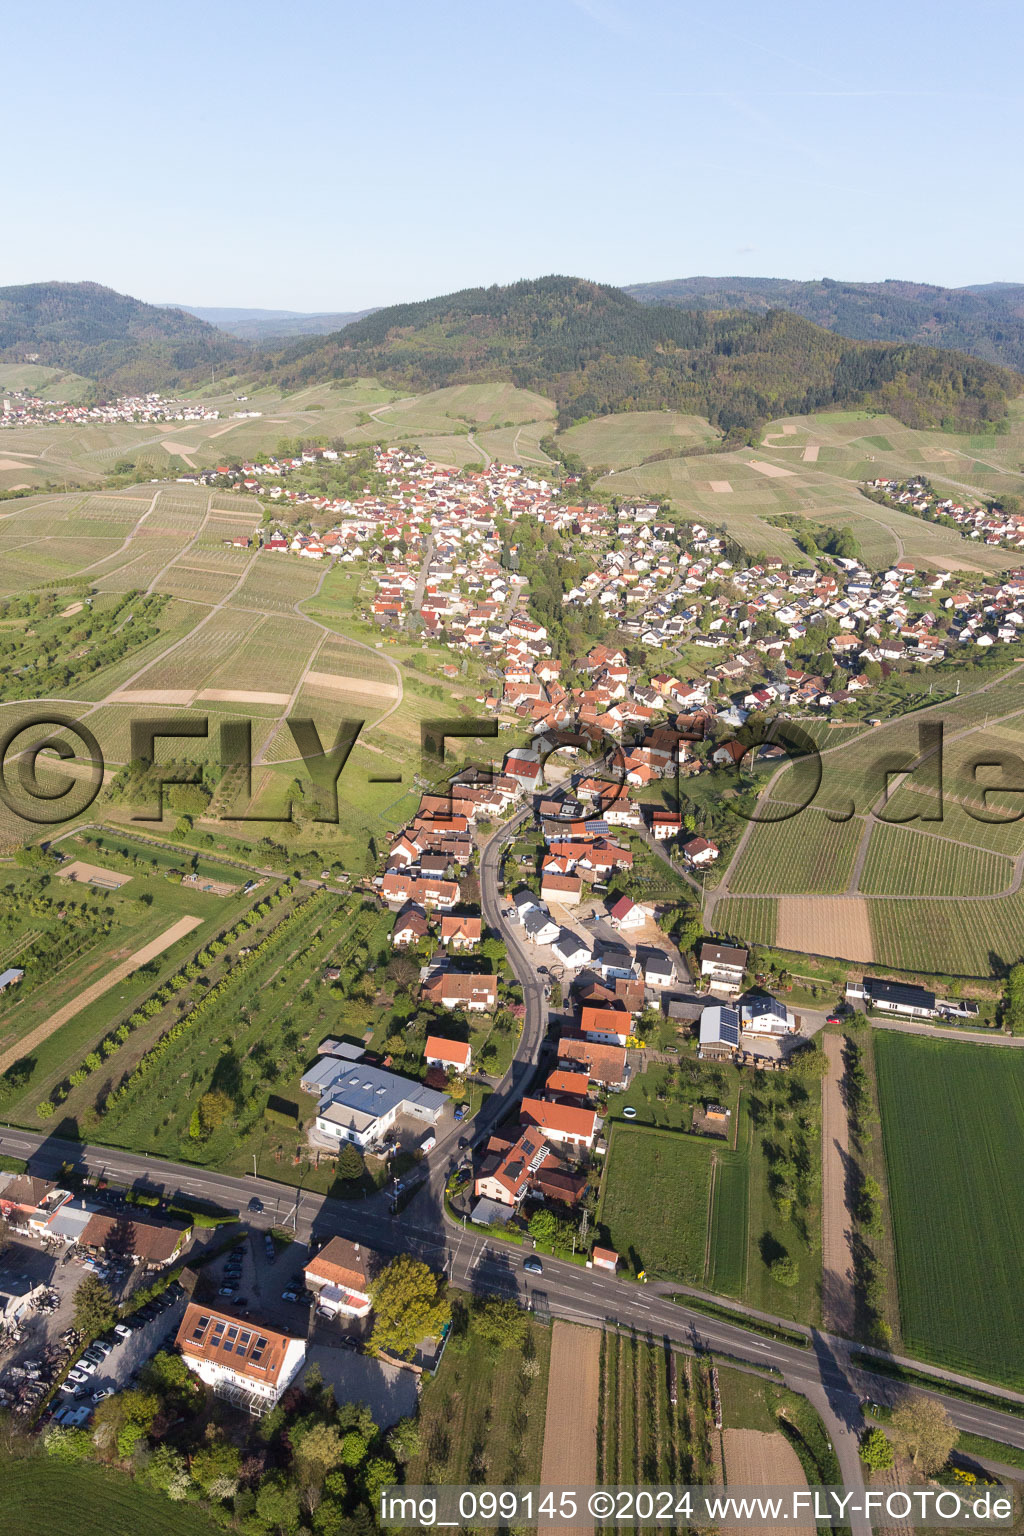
(736, 1209)
(101, 930)
(751, 918)
(105, 1502)
(482, 1416)
(948, 938)
(955, 1217)
(902, 861)
(643, 1436)
(804, 853)
(620, 442)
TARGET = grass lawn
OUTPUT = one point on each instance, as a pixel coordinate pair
(953, 1131)
(654, 1201)
(105, 1503)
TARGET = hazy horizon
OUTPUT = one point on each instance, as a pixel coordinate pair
(336, 159)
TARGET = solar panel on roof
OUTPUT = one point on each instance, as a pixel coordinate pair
(729, 1032)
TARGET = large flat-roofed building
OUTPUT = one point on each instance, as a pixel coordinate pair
(359, 1103)
(242, 1361)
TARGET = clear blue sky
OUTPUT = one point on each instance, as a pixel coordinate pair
(327, 155)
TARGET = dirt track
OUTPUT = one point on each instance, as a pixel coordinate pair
(570, 1429)
(836, 1250)
(826, 925)
(111, 978)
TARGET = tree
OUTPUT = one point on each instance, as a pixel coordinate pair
(923, 1432)
(875, 1450)
(544, 1226)
(350, 1163)
(215, 1468)
(404, 1440)
(94, 1307)
(501, 1322)
(409, 1304)
(784, 1270)
(1015, 998)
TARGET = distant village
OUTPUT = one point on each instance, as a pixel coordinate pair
(18, 408)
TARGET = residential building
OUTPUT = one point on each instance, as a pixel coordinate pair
(722, 966)
(471, 994)
(339, 1275)
(449, 1055)
(359, 1103)
(569, 1123)
(719, 1032)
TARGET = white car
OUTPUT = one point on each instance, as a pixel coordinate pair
(122, 1330)
(86, 1367)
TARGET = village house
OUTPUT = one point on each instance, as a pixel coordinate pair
(449, 1055)
(472, 994)
(567, 1123)
(338, 1277)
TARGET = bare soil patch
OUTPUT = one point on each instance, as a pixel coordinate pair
(181, 449)
(111, 978)
(69, 612)
(93, 874)
(837, 1295)
(174, 696)
(721, 486)
(826, 925)
(773, 471)
(570, 1428)
(755, 1458)
(351, 685)
(810, 453)
(241, 696)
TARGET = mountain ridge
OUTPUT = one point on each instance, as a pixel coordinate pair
(596, 349)
(985, 321)
(119, 341)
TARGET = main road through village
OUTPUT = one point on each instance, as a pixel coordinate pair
(822, 1369)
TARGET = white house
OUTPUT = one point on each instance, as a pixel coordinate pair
(241, 1360)
(359, 1103)
(571, 950)
(449, 1055)
(765, 1015)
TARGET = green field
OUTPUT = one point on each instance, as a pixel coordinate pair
(904, 862)
(654, 1201)
(105, 1503)
(953, 1129)
(807, 853)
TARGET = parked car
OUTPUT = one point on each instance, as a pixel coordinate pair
(123, 1331)
(105, 1346)
(101, 1393)
(78, 1376)
(229, 1288)
(460, 1111)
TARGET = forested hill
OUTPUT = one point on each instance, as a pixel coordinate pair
(595, 350)
(986, 321)
(120, 342)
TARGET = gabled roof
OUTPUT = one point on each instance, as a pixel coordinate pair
(245, 1348)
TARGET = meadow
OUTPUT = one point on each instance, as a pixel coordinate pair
(731, 1216)
(953, 1131)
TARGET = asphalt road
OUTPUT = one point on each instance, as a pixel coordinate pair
(484, 1265)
